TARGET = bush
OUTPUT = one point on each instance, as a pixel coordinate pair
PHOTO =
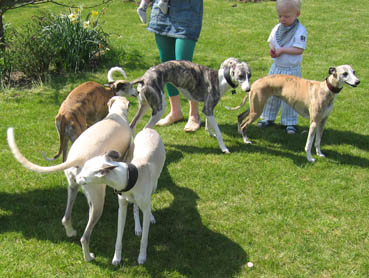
(57, 43)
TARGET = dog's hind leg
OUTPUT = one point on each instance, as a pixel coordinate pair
(213, 125)
(318, 137)
(157, 113)
(73, 188)
(240, 119)
(136, 217)
(122, 215)
(95, 194)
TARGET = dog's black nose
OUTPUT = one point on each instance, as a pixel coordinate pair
(357, 82)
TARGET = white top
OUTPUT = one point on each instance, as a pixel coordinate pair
(298, 40)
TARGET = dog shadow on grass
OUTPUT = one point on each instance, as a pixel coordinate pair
(291, 146)
(178, 242)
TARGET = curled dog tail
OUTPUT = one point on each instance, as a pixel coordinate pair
(62, 139)
(31, 166)
(115, 69)
(239, 106)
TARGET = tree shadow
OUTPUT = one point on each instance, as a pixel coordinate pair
(178, 242)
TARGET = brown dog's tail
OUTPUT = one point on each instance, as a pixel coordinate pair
(31, 166)
(63, 141)
(239, 106)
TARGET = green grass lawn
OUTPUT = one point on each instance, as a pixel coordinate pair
(262, 203)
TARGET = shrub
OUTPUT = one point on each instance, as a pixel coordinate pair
(57, 43)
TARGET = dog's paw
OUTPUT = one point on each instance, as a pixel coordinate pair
(152, 219)
(90, 257)
(138, 232)
(141, 259)
(71, 232)
(311, 160)
(116, 261)
(226, 151)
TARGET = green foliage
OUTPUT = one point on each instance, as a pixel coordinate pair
(57, 43)
(262, 203)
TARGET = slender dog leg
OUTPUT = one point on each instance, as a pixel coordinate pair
(251, 118)
(122, 215)
(145, 233)
(309, 141)
(95, 194)
(213, 125)
(72, 194)
(136, 217)
(143, 106)
(209, 128)
(318, 137)
(155, 118)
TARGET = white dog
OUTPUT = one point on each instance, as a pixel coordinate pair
(134, 182)
(112, 132)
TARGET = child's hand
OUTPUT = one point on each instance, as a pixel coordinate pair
(272, 53)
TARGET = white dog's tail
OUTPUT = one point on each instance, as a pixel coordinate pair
(115, 69)
(239, 106)
(31, 166)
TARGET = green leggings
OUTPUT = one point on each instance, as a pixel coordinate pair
(174, 49)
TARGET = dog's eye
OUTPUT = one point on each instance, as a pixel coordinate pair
(345, 74)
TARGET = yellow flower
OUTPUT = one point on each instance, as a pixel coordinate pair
(94, 13)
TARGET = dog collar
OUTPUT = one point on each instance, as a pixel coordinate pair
(227, 76)
(132, 179)
(331, 88)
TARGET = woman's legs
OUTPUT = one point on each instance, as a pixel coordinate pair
(177, 49)
(184, 51)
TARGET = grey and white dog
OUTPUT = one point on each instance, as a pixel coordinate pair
(196, 82)
(311, 99)
(134, 182)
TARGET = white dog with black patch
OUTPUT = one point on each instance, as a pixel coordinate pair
(133, 182)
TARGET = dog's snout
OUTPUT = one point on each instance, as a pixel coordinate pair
(357, 82)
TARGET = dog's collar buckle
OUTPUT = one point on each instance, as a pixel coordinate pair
(227, 76)
(132, 179)
(331, 88)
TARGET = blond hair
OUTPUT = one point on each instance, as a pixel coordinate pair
(296, 4)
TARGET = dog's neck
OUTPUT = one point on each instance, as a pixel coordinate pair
(331, 87)
(224, 84)
(132, 176)
(227, 76)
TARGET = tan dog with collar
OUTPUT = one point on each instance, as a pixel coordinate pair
(311, 99)
(86, 105)
(111, 133)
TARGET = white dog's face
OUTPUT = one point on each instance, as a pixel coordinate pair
(345, 74)
(242, 74)
(99, 170)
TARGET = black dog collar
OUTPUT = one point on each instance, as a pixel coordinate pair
(227, 76)
(331, 88)
(132, 179)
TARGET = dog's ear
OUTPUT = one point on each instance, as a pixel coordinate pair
(110, 102)
(109, 85)
(104, 170)
(332, 70)
(113, 155)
